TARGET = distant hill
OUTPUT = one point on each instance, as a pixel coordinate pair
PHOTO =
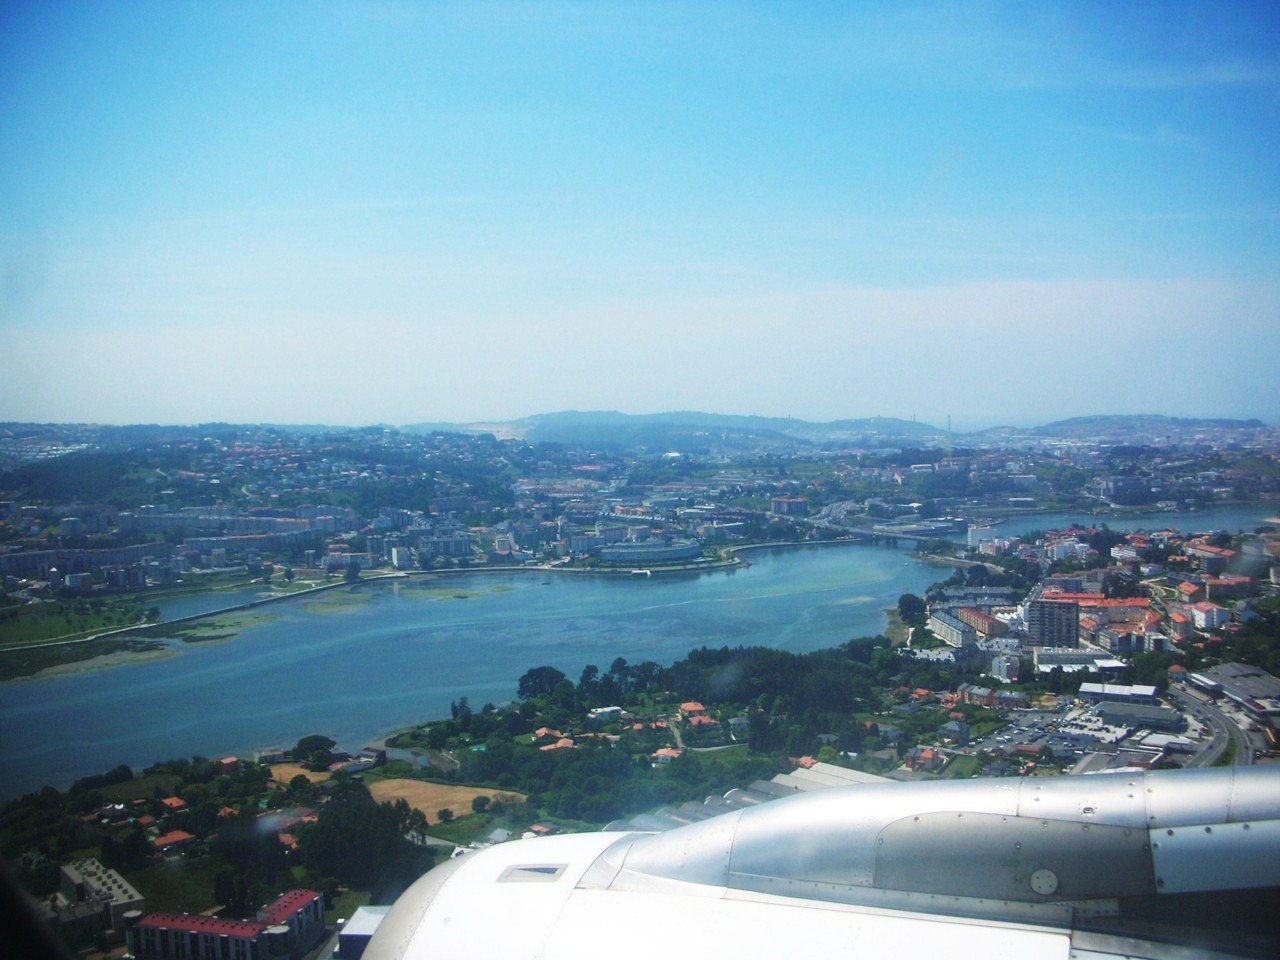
(1135, 425)
(689, 430)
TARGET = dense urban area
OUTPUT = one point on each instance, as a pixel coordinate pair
(1071, 650)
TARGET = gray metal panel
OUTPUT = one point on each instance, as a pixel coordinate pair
(741, 797)
(820, 778)
(1012, 858)
(852, 776)
(773, 789)
(698, 853)
(1113, 800)
(650, 821)
(791, 780)
(1211, 796)
(1057, 914)
(1222, 856)
(694, 811)
(837, 843)
(972, 841)
(755, 795)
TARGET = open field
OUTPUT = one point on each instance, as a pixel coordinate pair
(284, 772)
(432, 797)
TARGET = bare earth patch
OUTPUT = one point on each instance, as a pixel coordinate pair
(432, 797)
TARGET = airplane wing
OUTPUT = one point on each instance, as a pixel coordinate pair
(1157, 864)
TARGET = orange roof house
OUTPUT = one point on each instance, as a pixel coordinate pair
(175, 838)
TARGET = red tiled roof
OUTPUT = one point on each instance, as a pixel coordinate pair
(174, 836)
(286, 905)
(196, 923)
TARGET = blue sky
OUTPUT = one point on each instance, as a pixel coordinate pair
(396, 212)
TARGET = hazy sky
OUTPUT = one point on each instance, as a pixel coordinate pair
(396, 212)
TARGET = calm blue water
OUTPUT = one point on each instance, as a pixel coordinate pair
(398, 659)
(177, 607)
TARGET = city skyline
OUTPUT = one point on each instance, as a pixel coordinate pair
(394, 213)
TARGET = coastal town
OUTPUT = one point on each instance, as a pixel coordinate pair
(1078, 648)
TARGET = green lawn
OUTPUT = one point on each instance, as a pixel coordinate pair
(962, 768)
(185, 886)
(346, 904)
(141, 788)
(33, 623)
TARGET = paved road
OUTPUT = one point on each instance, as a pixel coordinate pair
(1224, 731)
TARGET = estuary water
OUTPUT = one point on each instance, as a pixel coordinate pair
(357, 663)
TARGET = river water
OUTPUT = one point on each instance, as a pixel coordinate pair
(357, 663)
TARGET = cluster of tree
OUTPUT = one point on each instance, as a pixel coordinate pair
(253, 863)
(912, 610)
(355, 841)
(108, 477)
(1013, 572)
(361, 843)
(314, 751)
(598, 783)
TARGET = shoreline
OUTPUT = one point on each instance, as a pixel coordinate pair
(732, 558)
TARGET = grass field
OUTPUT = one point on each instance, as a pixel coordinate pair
(962, 768)
(38, 622)
(142, 787)
(347, 903)
(182, 887)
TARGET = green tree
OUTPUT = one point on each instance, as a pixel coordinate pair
(911, 609)
(361, 843)
(312, 743)
(538, 682)
(444, 815)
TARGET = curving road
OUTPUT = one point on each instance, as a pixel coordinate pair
(1224, 728)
